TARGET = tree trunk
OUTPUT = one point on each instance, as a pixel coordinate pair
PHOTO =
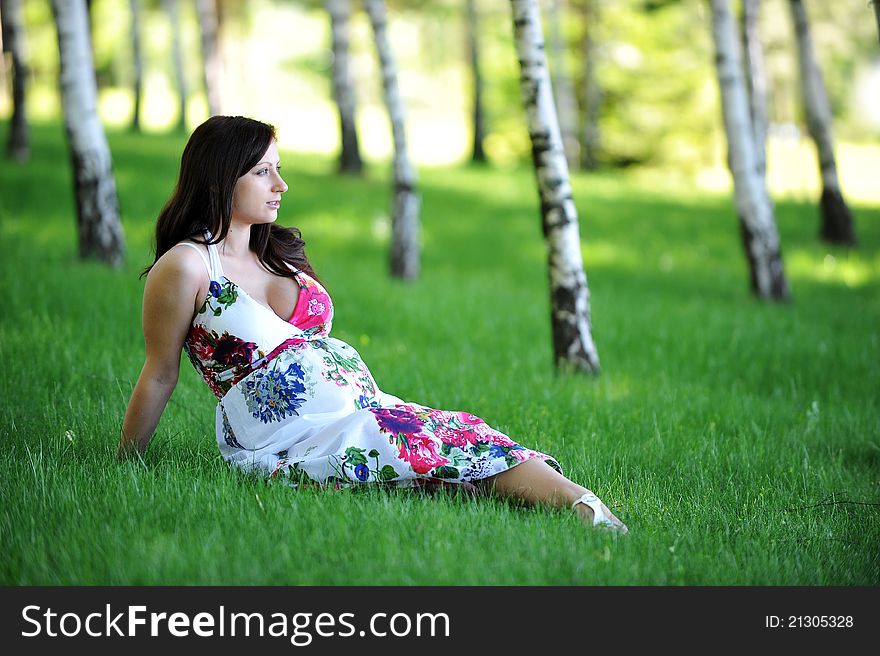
(472, 32)
(405, 217)
(343, 87)
(91, 16)
(836, 223)
(18, 144)
(138, 62)
(566, 105)
(756, 81)
(876, 4)
(172, 9)
(573, 345)
(209, 29)
(97, 206)
(757, 223)
(592, 93)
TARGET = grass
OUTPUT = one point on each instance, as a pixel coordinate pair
(740, 441)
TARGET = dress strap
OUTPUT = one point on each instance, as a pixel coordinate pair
(216, 267)
(201, 254)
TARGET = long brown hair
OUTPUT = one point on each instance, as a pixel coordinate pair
(218, 153)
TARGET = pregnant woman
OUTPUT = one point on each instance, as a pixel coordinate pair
(236, 292)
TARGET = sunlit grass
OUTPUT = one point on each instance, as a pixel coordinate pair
(716, 427)
(849, 268)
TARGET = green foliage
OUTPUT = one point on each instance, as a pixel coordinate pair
(737, 440)
(654, 67)
(654, 64)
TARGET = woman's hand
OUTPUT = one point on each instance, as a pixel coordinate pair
(175, 286)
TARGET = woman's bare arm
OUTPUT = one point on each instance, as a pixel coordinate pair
(174, 286)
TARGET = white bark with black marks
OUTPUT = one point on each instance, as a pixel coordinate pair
(172, 10)
(212, 61)
(473, 45)
(137, 63)
(756, 80)
(405, 250)
(566, 104)
(343, 86)
(573, 345)
(590, 136)
(18, 143)
(836, 222)
(97, 205)
(757, 223)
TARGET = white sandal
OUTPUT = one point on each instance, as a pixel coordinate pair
(599, 517)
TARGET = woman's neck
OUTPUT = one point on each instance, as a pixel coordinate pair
(237, 241)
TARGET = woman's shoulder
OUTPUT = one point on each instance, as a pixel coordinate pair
(186, 260)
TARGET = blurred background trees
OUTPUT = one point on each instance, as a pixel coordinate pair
(405, 203)
(756, 217)
(652, 71)
(343, 87)
(17, 144)
(836, 219)
(99, 229)
(634, 81)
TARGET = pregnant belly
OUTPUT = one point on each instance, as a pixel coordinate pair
(318, 382)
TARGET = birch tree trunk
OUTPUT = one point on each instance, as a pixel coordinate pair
(472, 31)
(97, 206)
(876, 4)
(836, 223)
(209, 29)
(592, 93)
(756, 81)
(138, 63)
(343, 87)
(757, 223)
(573, 345)
(566, 105)
(172, 9)
(405, 254)
(18, 144)
(91, 16)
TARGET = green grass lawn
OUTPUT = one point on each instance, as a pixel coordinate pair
(740, 441)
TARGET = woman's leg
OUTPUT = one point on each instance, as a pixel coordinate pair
(538, 484)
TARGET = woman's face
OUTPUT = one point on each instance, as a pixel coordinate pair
(257, 194)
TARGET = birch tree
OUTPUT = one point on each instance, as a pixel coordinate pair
(566, 105)
(876, 4)
(172, 10)
(405, 253)
(17, 144)
(836, 222)
(573, 345)
(343, 86)
(212, 61)
(97, 206)
(756, 81)
(757, 223)
(590, 137)
(473, 47)
(137, 62)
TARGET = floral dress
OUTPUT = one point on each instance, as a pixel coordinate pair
(294, 402)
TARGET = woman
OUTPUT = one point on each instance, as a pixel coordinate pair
(237, 293)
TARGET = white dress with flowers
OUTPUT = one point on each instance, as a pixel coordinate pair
(297, 403)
